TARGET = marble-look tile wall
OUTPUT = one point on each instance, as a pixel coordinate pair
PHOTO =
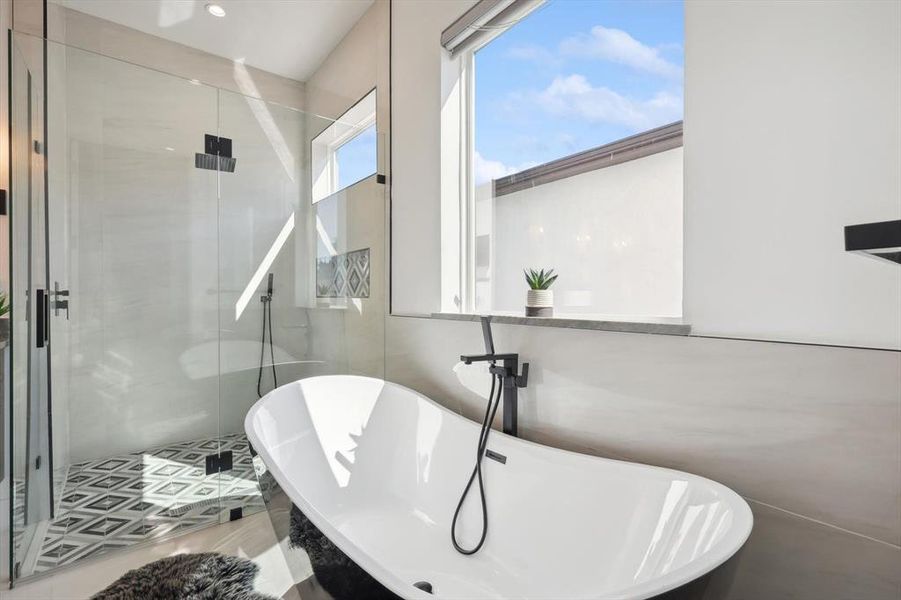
(158, 254)
(140, 224)
(810, 435)
(166, 262)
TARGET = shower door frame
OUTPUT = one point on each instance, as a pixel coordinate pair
(38, 489)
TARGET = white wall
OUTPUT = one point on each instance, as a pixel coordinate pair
(614, 236)
(771, 118)
(357, 64)
(792, 131)
(88, 32)
(416, 169)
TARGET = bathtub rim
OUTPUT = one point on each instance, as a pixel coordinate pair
(732, 542)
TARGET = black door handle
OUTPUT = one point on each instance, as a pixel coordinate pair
(42, 312)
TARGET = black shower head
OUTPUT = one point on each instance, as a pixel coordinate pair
(217, 154)
(215, 163)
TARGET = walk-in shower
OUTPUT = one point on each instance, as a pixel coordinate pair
(140, 244)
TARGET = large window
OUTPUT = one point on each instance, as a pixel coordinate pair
(571, 136)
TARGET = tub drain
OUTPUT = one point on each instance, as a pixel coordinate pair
(425, 586)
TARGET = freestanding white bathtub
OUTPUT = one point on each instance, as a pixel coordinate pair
(379, 469)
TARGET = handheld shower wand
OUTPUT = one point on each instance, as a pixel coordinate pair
(504, 380)
(266, 299)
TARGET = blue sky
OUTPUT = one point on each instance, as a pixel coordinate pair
(573, 75)
(357, 158)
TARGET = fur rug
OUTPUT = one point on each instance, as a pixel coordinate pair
(335, 572)
(188, 577)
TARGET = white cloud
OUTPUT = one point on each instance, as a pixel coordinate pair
(534, 53)
(574, 96)
(618, 46)
(485, 170)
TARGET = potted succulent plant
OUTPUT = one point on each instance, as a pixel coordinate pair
(540, 298)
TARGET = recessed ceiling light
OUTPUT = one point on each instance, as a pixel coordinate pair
(215, 10)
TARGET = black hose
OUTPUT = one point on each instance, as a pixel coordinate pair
(267, 317)
(272, 348)
(490, 411)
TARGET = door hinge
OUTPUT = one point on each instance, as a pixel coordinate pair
(37, 463)
(217, 463)
(59, 304)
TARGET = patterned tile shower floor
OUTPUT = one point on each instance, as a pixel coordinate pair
(124, 500)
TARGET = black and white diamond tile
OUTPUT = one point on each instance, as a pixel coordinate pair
(344, 275)
(124, 500)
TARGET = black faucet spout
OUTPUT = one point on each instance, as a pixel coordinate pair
(468, 359)
(505, 366)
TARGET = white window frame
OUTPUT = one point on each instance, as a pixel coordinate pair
(484, 22)
(459, 202)
(458, 185)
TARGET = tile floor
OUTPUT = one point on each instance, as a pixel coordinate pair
(109, 504)
(251, 537)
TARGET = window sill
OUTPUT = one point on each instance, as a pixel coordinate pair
(654, 326)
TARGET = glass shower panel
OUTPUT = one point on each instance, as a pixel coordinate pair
(347, 245)
(302, 284)
(147, 232)
(140, 263)
(132, 243)
(264, 239)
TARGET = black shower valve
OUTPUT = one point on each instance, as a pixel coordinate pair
(509, 375)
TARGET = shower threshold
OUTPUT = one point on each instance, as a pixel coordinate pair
(133, 499)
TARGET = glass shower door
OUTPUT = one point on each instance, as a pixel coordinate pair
(146, 230)
(32, 465)
(115, 260)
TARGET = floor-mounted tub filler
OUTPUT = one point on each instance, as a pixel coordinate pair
(378, 468)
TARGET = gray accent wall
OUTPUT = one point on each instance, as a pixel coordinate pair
(809, 435)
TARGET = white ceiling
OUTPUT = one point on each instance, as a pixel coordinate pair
(287, 37)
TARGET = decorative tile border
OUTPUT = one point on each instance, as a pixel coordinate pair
(344, 275)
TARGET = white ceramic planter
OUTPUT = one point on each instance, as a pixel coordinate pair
(540, 303)
(540, 298)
